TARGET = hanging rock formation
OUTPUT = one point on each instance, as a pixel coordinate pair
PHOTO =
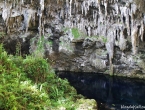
(98, 35)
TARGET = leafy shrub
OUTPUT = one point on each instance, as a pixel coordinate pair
(2, 34)
(36, 68)
(16, 94)
(18, 91)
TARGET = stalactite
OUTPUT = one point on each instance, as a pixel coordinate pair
(122, 41)
(76, 6)
(22, 1)
(142, 30)
(92, 17)
(135, 39)
(106, 6)
(40, 17)
(70, 5)
(27, 17)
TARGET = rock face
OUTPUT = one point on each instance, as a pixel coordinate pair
(93, 35)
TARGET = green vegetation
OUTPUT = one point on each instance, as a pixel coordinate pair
(40, 43)
(30, 84)
(75, 33)
(37, 50)
(104, 39)
(50, 43)
(18, 48)
(2, 34)
(95, 36)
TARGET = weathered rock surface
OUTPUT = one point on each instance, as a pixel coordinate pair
(93, 35)
(86, 104)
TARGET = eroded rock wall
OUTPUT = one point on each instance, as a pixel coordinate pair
(111, 32)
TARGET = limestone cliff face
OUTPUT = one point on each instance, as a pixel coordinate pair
(99, 35)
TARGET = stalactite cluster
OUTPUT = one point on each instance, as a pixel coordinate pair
(121, 22)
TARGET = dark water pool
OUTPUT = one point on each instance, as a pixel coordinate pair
(110, 92)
